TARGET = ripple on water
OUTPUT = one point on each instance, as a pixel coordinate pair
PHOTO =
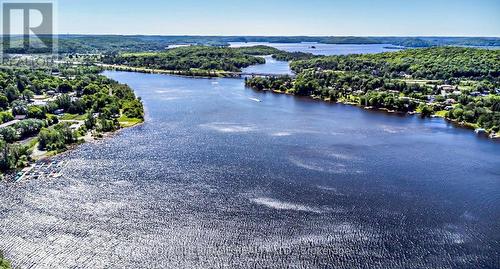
(205, 184)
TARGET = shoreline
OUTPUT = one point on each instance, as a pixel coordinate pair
(182, 73)
(84, 139)
(463, 125)
(14, 176)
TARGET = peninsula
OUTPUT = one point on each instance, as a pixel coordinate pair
(43, 111)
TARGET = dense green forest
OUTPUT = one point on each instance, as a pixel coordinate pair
(197, 59)
(405, 81)
(276, 53)
(445, 63)
(51, 110)
(186, 58)
(194, 57)
(116, 43)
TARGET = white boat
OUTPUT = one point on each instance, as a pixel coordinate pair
(255, 99)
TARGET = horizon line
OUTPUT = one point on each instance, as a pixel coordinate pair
(200, 35)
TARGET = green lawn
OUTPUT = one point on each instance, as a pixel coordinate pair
(72, 117)
(419, 81)
(128, 122)
(441, 113)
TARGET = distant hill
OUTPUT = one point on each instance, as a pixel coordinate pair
(138, 43)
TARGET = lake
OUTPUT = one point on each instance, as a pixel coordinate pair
(216, 179)
(271, 66)
(322, 49)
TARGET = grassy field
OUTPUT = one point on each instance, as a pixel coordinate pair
(420, 81)
(128, 122)
(441, 113)
(72, 117)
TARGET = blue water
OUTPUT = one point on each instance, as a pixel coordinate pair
(271, 66)
(322, 49)
(214, 179)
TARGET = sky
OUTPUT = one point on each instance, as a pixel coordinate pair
(281, 17)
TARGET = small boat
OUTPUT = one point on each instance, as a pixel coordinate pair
(480, 131)
(256, 100)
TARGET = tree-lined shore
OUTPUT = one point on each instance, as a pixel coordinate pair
(45, 111)
(460, 84)
(199, 60)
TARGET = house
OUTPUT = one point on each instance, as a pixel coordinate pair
(448, 108)
(450, 101)
(447, 88)
(37, 102)
(403, 74)
(475, 93)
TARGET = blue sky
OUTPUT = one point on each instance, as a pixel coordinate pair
(281, 17)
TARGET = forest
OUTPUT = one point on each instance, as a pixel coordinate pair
(440, 63)
(202, 60)
(187, 58)
(117, 43)
(50, 111)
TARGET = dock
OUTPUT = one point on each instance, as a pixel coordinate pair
(44, 169)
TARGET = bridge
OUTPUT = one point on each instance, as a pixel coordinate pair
(254, 74)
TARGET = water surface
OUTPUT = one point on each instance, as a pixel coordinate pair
(214, 179)
(322, 49)
(271, 66)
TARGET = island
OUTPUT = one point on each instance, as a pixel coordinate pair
(203, 61)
